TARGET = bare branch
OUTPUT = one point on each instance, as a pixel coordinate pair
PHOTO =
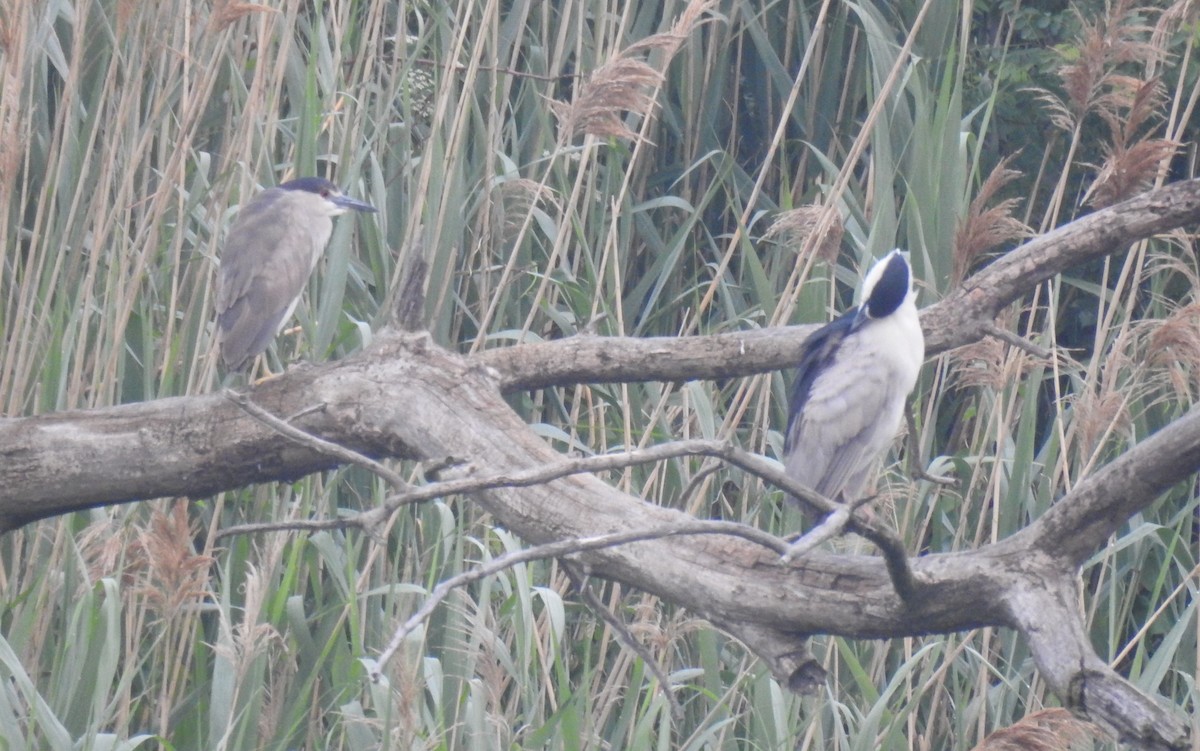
(837, 517)
(1087, 684)
(320, 445)
(816, 504)
(1020, 342)
(1101, 504)
(295, 525)
(558, 550)
(627, 639)
(831, 526)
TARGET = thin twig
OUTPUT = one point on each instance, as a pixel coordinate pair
(557, 550)
(320, 445)
(1020, 342)
(582, 583)
(463, 485)
(545, 473)
(892, 548)
(895, 557)
(693, 486)
(296, 525)
(759, 466)
(525, 478)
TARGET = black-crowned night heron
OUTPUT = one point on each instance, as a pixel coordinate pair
(272, 249)
(854, 376)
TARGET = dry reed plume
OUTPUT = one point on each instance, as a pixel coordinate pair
(985, 228)
(626, 83)
(794, 226)
(1048, 730)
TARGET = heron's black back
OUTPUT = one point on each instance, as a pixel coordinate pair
(818, 354)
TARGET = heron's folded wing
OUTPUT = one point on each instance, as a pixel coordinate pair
(267, 259)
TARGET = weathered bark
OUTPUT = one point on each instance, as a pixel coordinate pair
(1044, 608)
(407, 398)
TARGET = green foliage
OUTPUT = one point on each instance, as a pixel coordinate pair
(130, 131)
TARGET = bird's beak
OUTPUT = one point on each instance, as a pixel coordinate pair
(349, 204)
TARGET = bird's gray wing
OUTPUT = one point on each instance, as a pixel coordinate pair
(266, 261)
(843, 427)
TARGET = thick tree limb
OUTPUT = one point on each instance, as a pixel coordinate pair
(333, 450)
(404, 396)
(405, 393)
(1071, 667)
(1074, 528)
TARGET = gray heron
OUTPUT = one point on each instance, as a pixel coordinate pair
(272, 249)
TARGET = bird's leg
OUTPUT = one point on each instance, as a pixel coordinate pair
(833, 525)
(863, 506)
(297, 353)
(260, 362)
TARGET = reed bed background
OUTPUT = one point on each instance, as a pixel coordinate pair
(580, 166)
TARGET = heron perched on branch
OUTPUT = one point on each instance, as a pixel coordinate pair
(272, 249)
(854, 376)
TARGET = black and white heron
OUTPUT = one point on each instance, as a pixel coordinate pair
(854, 375)
(272, 249)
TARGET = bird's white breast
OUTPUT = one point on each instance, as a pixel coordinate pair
(856, 404)
(897, 342)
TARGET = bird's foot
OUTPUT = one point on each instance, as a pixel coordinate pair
(267, 375)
